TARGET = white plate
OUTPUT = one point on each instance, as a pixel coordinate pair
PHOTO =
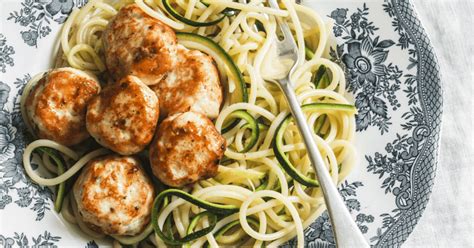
(391, 69)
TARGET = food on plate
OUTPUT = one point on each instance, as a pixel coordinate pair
(56, 105)
(191, 92)
(114, 195)
(187, 148)
(138, 44)
(123, 117)
(192, 85)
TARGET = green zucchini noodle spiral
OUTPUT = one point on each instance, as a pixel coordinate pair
(265, 192)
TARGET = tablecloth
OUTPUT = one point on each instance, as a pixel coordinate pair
(448, 219)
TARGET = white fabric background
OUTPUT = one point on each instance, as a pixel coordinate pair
(448, 219)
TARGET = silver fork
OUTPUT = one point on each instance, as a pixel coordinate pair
(346, 232)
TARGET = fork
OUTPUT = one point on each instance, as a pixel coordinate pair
(345, 230)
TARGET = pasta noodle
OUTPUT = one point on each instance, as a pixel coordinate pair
(282, 206)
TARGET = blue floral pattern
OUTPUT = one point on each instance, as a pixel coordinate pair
(370, 77)
(12, 143)
(396, 164)
(22, 240)
(6, 52)
(320, 233)
(36, 17)
(403, 165)
(91, 244)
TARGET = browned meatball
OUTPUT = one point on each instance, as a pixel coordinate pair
(193, 85)
(56, 105)
(140, 45)
(187, 148)
(114, 195)
(124, 116)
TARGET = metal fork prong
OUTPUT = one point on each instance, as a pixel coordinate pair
(285, 29)
(286, 46)
(283, 26)
(289, 42)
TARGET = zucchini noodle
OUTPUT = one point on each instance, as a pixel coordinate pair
(265, 192)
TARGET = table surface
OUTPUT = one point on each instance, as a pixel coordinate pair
(448, 219)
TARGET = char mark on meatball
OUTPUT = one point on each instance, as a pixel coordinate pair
(124, 116)
(140, 45)
(187, 148)
(114, 195)
(56, 105)
(193, 85)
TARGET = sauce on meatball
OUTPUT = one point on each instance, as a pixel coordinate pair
(140, 45)
(56, 105)
(114, 195)
(124, 116)
(187, 148)
(193, 85)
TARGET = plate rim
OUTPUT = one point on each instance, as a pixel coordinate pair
(428, 67)
(404, 226)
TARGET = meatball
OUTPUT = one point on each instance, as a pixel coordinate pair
(193, 85)
(124, 116)
(140, 45)
(114, 195)
(56, 105)
(187, 148)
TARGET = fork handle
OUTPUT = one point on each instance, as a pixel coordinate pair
(345, 230)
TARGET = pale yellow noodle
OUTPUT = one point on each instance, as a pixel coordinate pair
(290, 209)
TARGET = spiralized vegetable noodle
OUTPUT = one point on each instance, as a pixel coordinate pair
(269, 206)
